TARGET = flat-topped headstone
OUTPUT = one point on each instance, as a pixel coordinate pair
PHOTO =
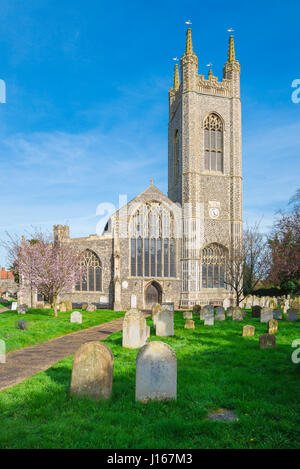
(76, 317)
(277, 314)
(220, 314)
(292, 315)
(256, 310)
(92, 372)
(209, 320)
(155, 309)
(22, 309)
(135, 331)
(272, 326)
(237, 314)
(187, 315)
(14, 305)
(266, 315)
(189, 324)
(248, 331)
(165, 323)
(156, 373)
(267, 341)
(168, 306)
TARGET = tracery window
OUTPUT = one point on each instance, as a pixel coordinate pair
(153, 247)
(91, 273)
(213, 143)
(213, 266)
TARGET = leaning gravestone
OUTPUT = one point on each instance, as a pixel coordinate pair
(248, 331)
(189, 324)
(156, 373)
(267, 341)
(237, 314)
(272, 326)
(76, 317)
(14, 306)
(220, 314)
(229, 311)
(91, 307)
(187, 315)
(22, 309)
(165, 323)
(155, 309)
(92, 372)
(292, 315)
(256, 310)
(277, 314)
(266, 315)
(135, 331)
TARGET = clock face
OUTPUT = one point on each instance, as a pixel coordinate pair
(214, 213)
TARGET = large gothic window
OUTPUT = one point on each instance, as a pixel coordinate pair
(213, 266)
(213, 143)
(91, 273)
(153, 244)
(176, 157)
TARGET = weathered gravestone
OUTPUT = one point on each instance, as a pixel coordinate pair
(266, 315)
(256, 311)
(91, 307)
(168, 306)
(22, 309)
(84, 306)
(92, 372)
(165, 323)
(248, 331)
(187, 315)
(226, 303)
(237, 314)
(207, 309)
(197, 310)
(76, 317)
(272, 326)
(220, 314)
(209, 319)
(292, 315)
(277, 314)
(156, 373)
(229, 311)
(267, 341)
(135, 331)
(65, 305)
(2, 351)
(14, 306)
(189, 324)
(155, 309)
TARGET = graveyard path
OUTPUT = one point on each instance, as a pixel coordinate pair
(2, 310)
(24, 363)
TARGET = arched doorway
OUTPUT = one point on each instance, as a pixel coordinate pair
(153, 294)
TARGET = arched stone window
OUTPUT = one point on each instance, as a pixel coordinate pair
(213, 258)
(91, 273)
(153, 247)
(176, 156)
(213, 142)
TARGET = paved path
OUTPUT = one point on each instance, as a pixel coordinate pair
(2, 310)
(24, 363)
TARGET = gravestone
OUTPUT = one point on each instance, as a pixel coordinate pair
(197, 310)
(226, 303)
(22, 325)
(220, 314)
(156, 372)
(207, 309)
(168, 306)
(91, 307)
(76, 317)
(189, 324)
(237, 314)
(165, 323)
(272, 326)
(209, 319)
(14, 306)
(187, 315)
(277, 314)
(62, 307)
(292, 315)
(134, 329)
(92, 371)
(22, 309)
(155, 309)
(84, 306)
(229, 311)
(2, 351)
(256, 310)
(266, 315)
(248, 331)
(267, 341)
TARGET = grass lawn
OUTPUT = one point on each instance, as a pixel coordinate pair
(217, 367)
(44, 326)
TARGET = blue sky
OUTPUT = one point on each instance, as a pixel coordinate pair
(87, 102)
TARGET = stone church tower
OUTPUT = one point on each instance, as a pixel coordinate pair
(205, 171)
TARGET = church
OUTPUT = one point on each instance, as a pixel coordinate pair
(160, 248)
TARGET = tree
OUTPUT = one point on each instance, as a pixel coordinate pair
(51, 268)
(285, 247)
(247, 263)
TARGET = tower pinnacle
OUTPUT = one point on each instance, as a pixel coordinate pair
(189, 43)
(176, 78)
(231, 50)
